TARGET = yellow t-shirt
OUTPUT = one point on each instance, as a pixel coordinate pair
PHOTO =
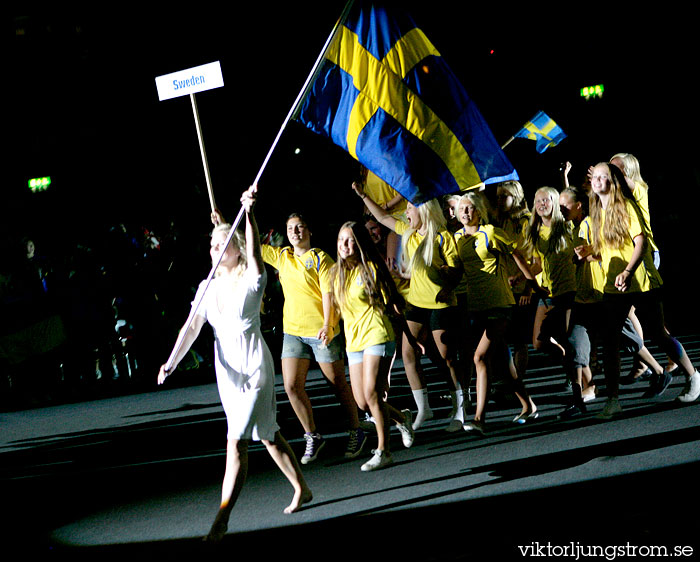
(461, 288)
(482, 256)
(641, 195)
(426, 282)
(381, 193)
(615, 260)
(558, 273)
(304, 280)
(516, 229)
(590, 278)
(364, 325)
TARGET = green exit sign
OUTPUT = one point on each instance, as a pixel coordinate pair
(589, 92)
(39, 184)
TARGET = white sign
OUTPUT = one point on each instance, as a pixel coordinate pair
(190, 81)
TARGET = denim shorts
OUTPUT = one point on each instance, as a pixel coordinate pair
(385, 349)
(311, 348)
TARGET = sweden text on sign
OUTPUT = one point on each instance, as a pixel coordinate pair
(189, 81)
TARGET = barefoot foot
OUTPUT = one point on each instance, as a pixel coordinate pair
(300, 498)
(218, 528)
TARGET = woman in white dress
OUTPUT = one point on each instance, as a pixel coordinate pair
(244, 365)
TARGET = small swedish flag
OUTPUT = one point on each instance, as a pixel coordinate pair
(542, 129)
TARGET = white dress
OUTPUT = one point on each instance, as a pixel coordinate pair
(245, 372)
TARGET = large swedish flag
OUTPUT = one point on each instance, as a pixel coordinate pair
(384, 94)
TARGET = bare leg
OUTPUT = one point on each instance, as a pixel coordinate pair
(500, 353)
(648, 360)
(450, 360)
(234, 478)
(374, 375)
(586, 378)
(294, 371)
(481, 367)
(550, 345)
(282, 454)
(335, 373)
(521, 358)
(411, 361)
(540, 314)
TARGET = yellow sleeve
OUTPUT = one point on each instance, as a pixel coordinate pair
(503, 241)
(449, 249)
(400, 227)
(271, 254)
(326, 262)
(635, 224)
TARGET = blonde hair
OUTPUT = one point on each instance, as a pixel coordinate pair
(516, 191)
(376, 279)
(480, 204)
(559, 238)
(630, 167)
(239, 241)
(615, 231)
(433, 219)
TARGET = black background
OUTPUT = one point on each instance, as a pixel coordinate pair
(83, 108)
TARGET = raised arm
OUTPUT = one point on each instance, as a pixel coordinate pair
(380, 214)
(252, 236)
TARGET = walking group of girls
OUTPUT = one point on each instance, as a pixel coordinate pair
(585, 261)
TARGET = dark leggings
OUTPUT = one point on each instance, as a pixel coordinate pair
(616, 310)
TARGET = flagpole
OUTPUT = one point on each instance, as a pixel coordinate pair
(302, 94)
(511, 139)
(304, 90)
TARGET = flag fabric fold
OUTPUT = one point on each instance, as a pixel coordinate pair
(385, 95)
(542, 129)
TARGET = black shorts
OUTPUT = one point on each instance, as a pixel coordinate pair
(436, 318)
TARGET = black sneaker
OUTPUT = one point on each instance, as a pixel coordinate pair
(314, 444)
(572, 411)
(355, 443)
(658, 384)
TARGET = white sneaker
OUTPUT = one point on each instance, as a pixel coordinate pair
(379, 460)
(611, 409)
(474, 427)
(692, 389)
(406, 428)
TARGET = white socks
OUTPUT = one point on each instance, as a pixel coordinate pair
(424, 411)
(459, 405)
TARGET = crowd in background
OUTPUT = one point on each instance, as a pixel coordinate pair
(77, 321)
(98, 319)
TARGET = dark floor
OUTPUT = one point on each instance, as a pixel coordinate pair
(137, 475)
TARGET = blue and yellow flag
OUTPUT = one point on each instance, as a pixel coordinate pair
(542, 129)
(385, 95)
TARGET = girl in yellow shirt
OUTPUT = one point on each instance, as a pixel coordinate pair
(630, 279)
(550, 241)
(304, 274)
(429, 255)
(629, 165)
(364, 295)
(513, 216)
(481, 247)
